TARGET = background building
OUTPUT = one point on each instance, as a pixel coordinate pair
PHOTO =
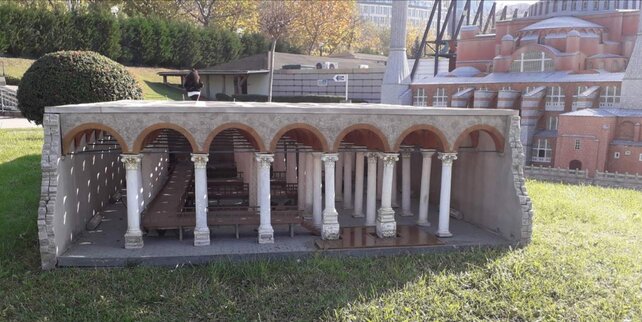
(379, 11)
(562, 66)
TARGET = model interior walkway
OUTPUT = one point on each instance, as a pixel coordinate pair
(104, 247)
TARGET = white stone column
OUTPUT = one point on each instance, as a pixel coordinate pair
(424, 194)
(358, 185)
(266, 233)
(252, 180)
(348, 203)
(395, 182)
(386, 225)
(201, 231)
(447, 159)
(301, 181)
(371, 198)
(134, 235)
(309, 183)
(338, 182)
(405, 184)
(330, 226)
(316, 199)
(290, 165)
(379, 179)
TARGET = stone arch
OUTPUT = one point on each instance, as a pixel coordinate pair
(247, 131)
(139, 144)
(473, 131)
(418, 134)
(71, 135)
(303, 132)
(362, 129)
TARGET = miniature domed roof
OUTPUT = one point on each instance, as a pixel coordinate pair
(466, 71)
(561, 22)
(573, 33)
(507, 37)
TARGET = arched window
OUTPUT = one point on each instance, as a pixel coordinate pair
(532, 61)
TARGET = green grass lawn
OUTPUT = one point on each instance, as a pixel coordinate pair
(151, 83)
(585, 263)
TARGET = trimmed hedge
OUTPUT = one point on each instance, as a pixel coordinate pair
(148, 41)
(72, 77)
(285, 99)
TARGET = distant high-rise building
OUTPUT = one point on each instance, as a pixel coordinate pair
(379, 11)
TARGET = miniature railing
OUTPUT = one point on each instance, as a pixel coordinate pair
(604, 179)
(8, 99)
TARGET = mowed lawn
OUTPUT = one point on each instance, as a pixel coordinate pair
(147, 77)
(585, 263)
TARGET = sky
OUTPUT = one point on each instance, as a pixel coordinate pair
(502, 3)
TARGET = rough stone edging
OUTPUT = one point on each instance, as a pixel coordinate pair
(517, 151)
(49, 164)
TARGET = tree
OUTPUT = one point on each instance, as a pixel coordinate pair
(72, 77)
(275, 20)
(151, 8)
(324, 25)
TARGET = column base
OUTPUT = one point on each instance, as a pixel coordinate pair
(386, 226)
(348, 207)
(358, 215)
(266, 235)
(444, 234)
(406, 213)
(201, 237)
(134, 239)
(423, 223)
(330, 231)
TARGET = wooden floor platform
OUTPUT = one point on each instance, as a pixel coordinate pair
(366, 237)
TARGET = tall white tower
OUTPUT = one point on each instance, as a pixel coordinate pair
(632, 81)
(395, 89)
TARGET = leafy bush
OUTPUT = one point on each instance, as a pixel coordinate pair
(72, 77)
(11, 80)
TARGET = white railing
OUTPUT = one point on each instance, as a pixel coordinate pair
(604, 179)
(8, 99)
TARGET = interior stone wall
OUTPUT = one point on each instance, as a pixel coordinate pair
(155, 171)
(86, 182)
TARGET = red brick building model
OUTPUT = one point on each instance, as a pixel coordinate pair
(563, 67)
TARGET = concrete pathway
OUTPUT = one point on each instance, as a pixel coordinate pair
(8, 122)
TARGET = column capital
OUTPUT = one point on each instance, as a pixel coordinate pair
(427, 153)
(200, 160)
(131, 161)
(372, 157)
(447, 158)
(264, 159)
(389, 159)
(330, 157)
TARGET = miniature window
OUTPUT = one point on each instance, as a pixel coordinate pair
(564, 5)
(610, 96)
(506, 88)
(555, 98)
(532, 61)
(640, 158)
(580, 90)
(577, 144)
(542, 151)
(616, 155)
(627, 152)
(552, 123)
(440, 98)
(420, 97)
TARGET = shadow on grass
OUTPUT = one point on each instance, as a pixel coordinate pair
(163, 91)
(19, 181)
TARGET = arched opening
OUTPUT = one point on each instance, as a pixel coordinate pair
(231, 170)
(364, 135)
(91, 176)
(166, 176)
(482, 138)
(293, 146)
(575, 165)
